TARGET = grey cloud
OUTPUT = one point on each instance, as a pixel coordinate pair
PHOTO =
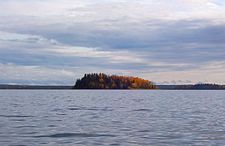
(161, 44)
(194, 42)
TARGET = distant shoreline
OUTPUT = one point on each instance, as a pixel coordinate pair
(35, 87)
(61, 87)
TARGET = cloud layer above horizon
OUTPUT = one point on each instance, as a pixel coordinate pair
(168, 42)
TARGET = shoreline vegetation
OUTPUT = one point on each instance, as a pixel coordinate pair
(102, 81)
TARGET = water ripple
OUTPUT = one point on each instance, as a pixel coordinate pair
(89, 109)
(59, 135)
(15, 116)
(24, 126)
(142, 110)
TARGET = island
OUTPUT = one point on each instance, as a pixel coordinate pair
(103, 81)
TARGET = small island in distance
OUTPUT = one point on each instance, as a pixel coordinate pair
(103, 81)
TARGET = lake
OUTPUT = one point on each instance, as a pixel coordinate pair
(112, 117)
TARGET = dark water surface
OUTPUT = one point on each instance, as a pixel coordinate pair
(126, 118)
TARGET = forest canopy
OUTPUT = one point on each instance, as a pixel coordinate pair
(103, 81)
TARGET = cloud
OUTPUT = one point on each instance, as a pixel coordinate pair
(18, 74)
(154, 39)
(208, 73)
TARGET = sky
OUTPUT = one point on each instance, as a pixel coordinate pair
(54, 42)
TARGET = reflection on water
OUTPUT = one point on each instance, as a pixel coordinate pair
(112, 117)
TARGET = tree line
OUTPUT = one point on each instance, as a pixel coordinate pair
(201, 86)
(103, 81)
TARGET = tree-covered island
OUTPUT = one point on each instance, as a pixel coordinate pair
(103, 81)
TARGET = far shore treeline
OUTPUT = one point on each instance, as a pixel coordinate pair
(103, 81)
